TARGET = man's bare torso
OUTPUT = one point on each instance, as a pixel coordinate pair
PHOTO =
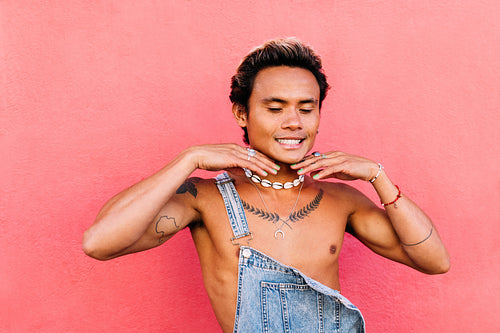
(311, 243)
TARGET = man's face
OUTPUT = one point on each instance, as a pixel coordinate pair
(283, 113)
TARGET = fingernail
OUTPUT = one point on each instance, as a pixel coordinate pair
(294, 164)
(301, 169)
(277, 167)
(315, 176)
(265, 173)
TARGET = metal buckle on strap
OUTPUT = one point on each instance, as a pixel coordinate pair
(241, 236)
(224, 181)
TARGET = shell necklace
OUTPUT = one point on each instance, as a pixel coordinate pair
(275, 185)
(283, 222)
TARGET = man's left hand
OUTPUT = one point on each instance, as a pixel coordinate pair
(336, 164)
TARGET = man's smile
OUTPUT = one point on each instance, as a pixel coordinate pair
(290, 141)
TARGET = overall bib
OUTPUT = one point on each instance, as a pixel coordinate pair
(273, 297)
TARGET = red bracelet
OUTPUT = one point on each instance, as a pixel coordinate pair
(394, 201)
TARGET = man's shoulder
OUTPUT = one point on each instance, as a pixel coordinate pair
(199, 194)
(341, 192)
(335, 188)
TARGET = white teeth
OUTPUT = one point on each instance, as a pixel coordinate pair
(289, 141)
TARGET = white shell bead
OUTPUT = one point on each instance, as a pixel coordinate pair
(256, 178)
(277, 186)
(248, 173)
(266, 183)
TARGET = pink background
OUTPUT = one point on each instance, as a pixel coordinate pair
(96, 95)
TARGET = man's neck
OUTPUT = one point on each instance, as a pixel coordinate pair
(285, 174)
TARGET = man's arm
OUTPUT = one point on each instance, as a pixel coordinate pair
(149, 213)
(402, 232)
(127, 223)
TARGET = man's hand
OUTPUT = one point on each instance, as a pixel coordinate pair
(215, 157)
(338, 165)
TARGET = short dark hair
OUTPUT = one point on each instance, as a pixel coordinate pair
(277, 52)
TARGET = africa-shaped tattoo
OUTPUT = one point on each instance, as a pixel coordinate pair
(162, 227)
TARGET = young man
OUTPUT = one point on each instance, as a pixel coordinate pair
(269, 231)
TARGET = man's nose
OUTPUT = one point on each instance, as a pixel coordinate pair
(292, 119)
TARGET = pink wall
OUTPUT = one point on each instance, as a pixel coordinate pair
(96, 95)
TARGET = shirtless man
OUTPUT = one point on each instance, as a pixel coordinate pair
(277, 95)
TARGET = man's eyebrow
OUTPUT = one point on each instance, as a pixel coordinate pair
(273, 99)
(309, 101)
(282, 101)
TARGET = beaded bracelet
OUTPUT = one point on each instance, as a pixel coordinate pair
(380, 167)
(394, 201)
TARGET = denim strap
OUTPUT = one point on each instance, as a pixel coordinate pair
(234, 208)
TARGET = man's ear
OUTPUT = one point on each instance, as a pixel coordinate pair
(240, 114)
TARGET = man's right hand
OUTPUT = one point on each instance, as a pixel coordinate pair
(215, 157)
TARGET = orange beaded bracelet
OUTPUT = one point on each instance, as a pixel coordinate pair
(395, 200)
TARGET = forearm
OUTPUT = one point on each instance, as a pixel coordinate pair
(416, 232)
(126, 217)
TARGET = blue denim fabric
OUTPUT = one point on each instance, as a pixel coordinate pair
(273, 297)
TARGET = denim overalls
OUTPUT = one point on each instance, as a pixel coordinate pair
(273, 297)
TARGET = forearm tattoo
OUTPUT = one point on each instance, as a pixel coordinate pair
(189, 186)
(163, 225)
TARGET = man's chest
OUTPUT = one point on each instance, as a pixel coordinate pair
(311, 232)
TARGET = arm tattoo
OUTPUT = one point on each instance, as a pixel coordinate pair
(189, 186)
(294, 217)
(162, 227)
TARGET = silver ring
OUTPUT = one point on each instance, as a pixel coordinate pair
(323, 156)
(316, 154)
(251, 153)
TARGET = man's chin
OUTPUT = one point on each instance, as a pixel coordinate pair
(289, 160)
(285, 158)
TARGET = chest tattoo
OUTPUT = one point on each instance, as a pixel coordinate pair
(293, 217)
